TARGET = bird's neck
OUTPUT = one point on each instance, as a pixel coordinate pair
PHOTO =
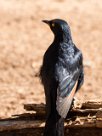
(63, 37)
(67, 38)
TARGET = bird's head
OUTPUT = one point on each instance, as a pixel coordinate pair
(60, 28)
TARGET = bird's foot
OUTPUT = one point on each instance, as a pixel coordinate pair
(72, 105)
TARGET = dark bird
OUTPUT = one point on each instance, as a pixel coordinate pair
(62, 69)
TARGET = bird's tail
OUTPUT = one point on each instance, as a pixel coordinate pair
(54, 126)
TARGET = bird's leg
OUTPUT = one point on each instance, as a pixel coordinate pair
(72, 105)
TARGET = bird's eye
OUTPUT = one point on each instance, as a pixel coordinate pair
(53, 24)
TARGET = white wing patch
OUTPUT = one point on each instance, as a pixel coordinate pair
(63, 104)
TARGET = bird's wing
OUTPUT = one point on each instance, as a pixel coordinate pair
(65, 93)
(80, 79)
(67, 81)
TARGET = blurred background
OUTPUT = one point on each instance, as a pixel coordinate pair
(24, 39)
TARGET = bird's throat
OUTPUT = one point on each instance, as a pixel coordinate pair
(66, 38)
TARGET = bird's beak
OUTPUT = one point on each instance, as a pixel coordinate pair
(46, 21)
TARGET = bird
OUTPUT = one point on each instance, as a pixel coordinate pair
(61, 71)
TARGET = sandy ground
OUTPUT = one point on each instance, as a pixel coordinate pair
(24, 39)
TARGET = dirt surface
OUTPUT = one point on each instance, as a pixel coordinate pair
(24, 39)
